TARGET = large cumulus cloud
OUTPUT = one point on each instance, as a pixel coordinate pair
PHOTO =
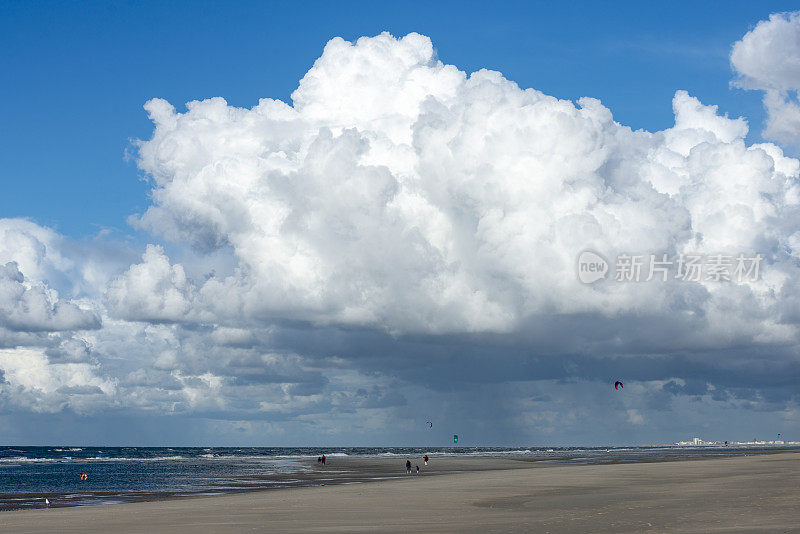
(400, 193)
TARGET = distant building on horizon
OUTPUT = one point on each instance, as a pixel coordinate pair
(699, 442)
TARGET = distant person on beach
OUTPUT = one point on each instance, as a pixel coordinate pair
(408, 467)
(417, 469)
(319, 460)
(426, 460)
(323, 459)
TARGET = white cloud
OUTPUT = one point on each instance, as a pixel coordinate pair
(31, 382)
(35, 249)
(783, 118)
(76, 269)
(153, 290)
(399, 193)
(34, 308)
(767, 58)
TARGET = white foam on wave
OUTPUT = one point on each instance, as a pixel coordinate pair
(129, 459)
(498, 453)
(259, 457)
(70, 459)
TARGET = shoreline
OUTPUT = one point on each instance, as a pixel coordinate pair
(746, 493)
(356, 469)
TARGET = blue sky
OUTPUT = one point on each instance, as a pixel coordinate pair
(77, 74)
(397, 241)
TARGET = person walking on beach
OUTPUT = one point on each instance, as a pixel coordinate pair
(323, 459)
(408, 467)
(426, 460)
(417, 469)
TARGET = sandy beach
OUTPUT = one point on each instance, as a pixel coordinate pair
(759, 493)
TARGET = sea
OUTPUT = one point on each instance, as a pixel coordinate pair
(29, 475)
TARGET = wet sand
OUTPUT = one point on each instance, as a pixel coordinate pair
(759, 493)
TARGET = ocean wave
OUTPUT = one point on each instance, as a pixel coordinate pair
(131, 459)
(23, 459)
(71, 459)
(257, 457)
(497, 453)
